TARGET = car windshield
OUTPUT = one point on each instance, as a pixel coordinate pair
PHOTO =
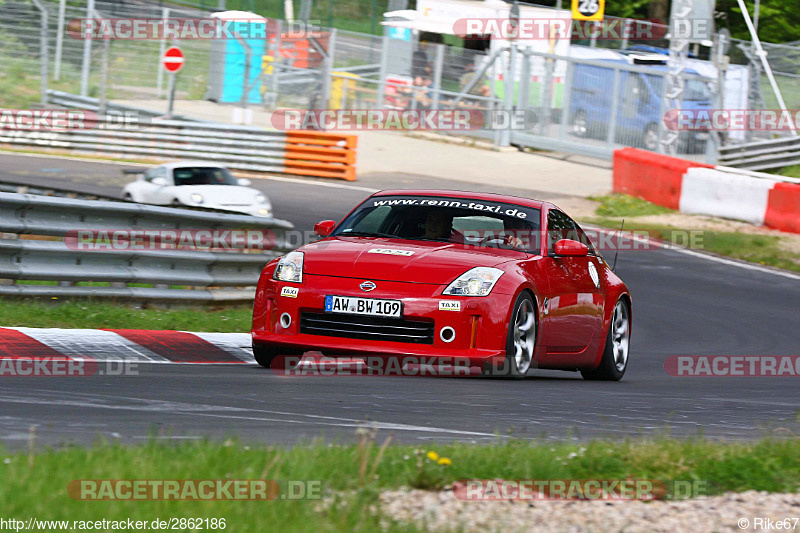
(697, 91)
(203, 176)
(464, 221)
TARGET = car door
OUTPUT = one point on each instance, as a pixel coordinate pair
(573, 311)
(149, 190)
(160, 194)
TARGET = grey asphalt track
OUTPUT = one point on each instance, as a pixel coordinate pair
(683, 305)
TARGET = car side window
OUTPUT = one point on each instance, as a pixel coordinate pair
(153, 173)
(559, 226)
(583, 238)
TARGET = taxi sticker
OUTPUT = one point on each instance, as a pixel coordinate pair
(291, 292)
(390, 251)
(449, 305)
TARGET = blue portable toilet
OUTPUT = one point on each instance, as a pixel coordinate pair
(226, 70)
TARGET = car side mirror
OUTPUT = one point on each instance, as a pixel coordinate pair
(244, 182)
(570, 248)
(324, 228)
(161, 182)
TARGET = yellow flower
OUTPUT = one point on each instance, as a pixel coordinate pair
(433, 456)
(445, 461)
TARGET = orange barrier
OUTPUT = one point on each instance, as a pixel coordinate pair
(783, 207)
(319, 154)
(654, 177)
(299, 51)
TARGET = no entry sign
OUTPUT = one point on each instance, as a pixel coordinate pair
(173, 59)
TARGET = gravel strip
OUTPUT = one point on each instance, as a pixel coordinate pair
(443, 512)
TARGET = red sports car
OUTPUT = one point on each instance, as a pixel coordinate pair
(501, 282)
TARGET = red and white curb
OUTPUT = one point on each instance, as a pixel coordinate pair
(125, 345)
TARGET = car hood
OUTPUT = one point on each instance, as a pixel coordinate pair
(218, 195)
(398, 260)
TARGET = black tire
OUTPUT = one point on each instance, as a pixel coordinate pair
(579, 125)
(510, 368)
(265, 356)
(176, 203)
(609, 369)
(650, 139)
(127, 197)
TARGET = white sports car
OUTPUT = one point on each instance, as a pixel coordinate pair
(196, 184)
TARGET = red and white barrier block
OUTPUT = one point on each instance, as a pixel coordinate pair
(697, 188)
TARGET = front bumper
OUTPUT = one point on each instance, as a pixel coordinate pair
(479, 324)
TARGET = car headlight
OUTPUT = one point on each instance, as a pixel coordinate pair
(290, 268)
(264, 212)
(197, 198)
(478, 281)
(261, 199)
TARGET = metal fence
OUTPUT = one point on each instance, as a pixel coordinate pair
(35, 259)
(339, 68)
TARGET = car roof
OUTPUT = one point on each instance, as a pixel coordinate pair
(183, 164)
(489, 197)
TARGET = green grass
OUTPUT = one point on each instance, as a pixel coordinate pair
(58, 313)
(761, 249)
(623, 205)
(792, 171)
(352, 476)
(19, 89)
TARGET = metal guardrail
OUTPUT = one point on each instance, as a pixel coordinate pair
(62, 99)
(209, 276)
(45, 190)
(236, 148)
(761, 155)
(304, 153)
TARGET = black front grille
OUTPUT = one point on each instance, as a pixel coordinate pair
(367, 327)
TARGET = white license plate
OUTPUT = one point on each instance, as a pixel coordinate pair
(352, 305)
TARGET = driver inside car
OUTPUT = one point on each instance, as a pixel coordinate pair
(439, 227)
(514, 232)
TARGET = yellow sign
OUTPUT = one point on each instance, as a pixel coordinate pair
(588, 9)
